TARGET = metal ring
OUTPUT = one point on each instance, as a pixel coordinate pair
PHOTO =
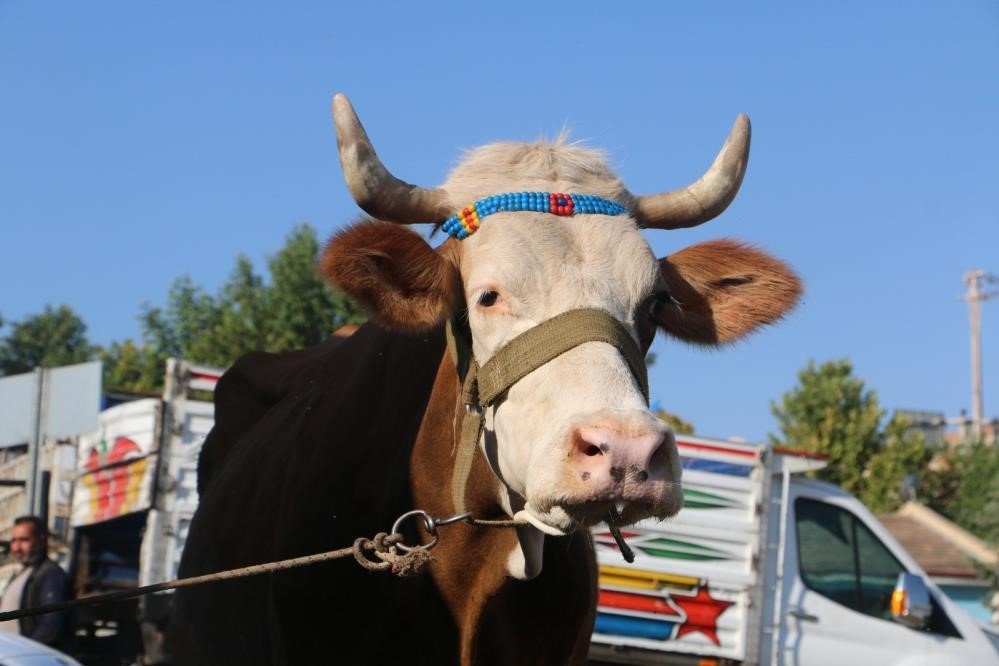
(457, 518)
(429, 523)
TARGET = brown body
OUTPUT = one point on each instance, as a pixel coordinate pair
(500, 620)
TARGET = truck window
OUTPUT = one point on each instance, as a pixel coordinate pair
(840, 558)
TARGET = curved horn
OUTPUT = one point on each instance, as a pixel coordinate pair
(709, 195)
(377, 191)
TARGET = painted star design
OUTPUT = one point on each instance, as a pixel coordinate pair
(702, 612)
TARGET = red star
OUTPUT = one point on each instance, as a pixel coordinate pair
(702, 612)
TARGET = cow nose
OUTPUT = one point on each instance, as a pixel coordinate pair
(619, 458)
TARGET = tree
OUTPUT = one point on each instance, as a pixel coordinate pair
(679, 426)
(303, 308)
(831, 412)
(51, 339)
(295, 309)
(902, 453)
(965, 488)
(129, 367)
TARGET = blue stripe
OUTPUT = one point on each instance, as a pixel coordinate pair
(638, 627)
(716, 466)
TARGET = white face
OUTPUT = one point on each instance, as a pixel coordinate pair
(574, 437)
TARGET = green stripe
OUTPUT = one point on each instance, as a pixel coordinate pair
(698, 499)
(680, 550)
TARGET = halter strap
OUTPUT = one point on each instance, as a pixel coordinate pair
(466, 222)
(530, 350)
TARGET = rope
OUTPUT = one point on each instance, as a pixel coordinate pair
(382, 546)
(509, 522)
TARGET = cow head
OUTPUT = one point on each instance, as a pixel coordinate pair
(573, 442)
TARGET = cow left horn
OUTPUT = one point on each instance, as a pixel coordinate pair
(709, 195)
(377, 191)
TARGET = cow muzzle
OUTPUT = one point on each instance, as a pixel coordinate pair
(616, 463)
(616, 468)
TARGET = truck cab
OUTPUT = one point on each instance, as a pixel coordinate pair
(841, 569)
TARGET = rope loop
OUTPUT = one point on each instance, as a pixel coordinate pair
(384, 547)
(363, 546)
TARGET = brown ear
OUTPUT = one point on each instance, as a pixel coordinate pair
(724, 290)
(394, 274)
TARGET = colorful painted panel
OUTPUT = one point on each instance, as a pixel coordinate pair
(116, 464)
(658, 607)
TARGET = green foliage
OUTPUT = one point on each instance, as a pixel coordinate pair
(964, 486)
(831, 412)
(902, 452)
(53, 338)
(128, 367)
(302, 309)
(295, 309)
(679, 426)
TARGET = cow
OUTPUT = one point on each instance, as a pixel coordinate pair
(318, 447)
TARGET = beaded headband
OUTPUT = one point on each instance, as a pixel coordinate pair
(466, 222)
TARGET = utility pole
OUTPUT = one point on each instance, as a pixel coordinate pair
(974, 295)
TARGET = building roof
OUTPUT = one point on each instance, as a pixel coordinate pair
(942, 548)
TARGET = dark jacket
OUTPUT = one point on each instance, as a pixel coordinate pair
(48, 584)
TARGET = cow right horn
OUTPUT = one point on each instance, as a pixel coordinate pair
(709, 195)
(377, 191)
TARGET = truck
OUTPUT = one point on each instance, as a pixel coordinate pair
(764, 565)
(133, 500)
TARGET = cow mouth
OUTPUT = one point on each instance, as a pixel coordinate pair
(562, 517)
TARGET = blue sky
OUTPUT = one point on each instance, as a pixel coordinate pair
(140, 141)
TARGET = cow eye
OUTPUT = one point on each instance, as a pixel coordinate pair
(488, 298)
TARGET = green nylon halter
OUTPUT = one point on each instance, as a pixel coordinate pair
(525, 353)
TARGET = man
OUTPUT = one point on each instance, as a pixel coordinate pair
(39, 582)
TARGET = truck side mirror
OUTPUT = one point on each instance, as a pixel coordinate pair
(910, 601)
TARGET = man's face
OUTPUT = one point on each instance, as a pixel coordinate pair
(24, 543)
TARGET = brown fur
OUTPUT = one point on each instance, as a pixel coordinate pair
(725, 290)
(547, 620)
(392, 272)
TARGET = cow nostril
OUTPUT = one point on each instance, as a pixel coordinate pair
(659, 465)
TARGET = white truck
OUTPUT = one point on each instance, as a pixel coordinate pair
(766, 566)
(134, 497)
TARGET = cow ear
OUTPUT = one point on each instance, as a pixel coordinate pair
(722, 290)
(394, 274)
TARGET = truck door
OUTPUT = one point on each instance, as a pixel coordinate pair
(838, 580)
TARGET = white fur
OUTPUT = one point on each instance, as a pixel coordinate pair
(543, 265)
